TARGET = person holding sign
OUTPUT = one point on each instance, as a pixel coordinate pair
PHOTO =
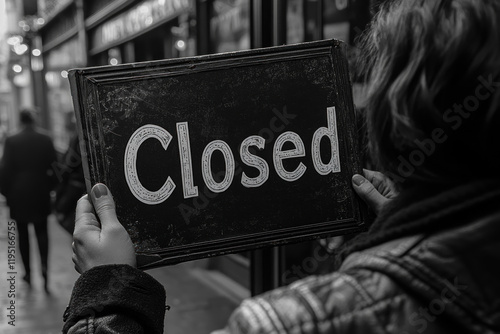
(428, 262)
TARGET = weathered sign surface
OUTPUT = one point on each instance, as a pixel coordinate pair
(223, 153)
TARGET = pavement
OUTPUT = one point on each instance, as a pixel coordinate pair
(201, 300)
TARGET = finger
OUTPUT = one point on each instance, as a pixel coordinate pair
(84, 206)
(381, 182)
(84, 216)
(377, 179)
(372, 175)
(365, 189)
(104, 206)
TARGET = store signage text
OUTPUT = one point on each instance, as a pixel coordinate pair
(191, 190)
(139, 18)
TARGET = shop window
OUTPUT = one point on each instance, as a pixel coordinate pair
(336, 19)
(312, 11)
(184, 36)
(295, 21)
(230, 25)
(154, 45)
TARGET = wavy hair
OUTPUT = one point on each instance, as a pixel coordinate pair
(433, 74)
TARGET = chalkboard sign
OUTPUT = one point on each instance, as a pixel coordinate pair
(223, 153)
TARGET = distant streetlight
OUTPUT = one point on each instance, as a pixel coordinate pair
(17, 68)
(114, 56)
(180, 45)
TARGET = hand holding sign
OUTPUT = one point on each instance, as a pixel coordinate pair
(100, 239)
(376, 189)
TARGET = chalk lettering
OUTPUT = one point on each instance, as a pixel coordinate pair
(280, 155)
(217, 145)
(138, 137)
(213, 184)
(254, 161)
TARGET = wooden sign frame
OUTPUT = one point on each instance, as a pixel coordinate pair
(287, 107)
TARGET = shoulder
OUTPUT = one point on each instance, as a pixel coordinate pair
(29, 134)
(353, 300)
(44, 138)
(42, 133)
(14, 136)
(12, 141)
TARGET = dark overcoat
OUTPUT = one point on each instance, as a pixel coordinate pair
(26, 174)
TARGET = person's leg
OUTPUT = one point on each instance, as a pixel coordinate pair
(42, 237)
(24, 248)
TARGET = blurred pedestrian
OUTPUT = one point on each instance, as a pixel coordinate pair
(26, 180)
(428, 264)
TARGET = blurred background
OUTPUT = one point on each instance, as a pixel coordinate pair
(41, 40)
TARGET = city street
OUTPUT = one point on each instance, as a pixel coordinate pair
(200, 300)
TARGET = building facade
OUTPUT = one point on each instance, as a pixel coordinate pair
(79, 33)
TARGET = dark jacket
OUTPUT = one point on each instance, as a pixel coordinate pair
(444, 279)
(26, 174)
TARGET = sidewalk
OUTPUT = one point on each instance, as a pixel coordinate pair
(200, 300)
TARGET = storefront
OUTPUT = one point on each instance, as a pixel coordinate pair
(243, 24)
(81, 33)
(229, 25)
(149, 30)
(123, 31)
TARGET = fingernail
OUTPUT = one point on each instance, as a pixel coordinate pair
(358, 179)
(99, 190)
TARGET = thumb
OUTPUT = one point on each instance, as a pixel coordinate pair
(367, 191)
(104, 206)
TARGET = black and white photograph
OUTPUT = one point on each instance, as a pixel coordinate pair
(249, 166)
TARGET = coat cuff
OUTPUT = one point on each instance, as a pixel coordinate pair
(112, 289)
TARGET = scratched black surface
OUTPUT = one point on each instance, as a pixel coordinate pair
(230, 104)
